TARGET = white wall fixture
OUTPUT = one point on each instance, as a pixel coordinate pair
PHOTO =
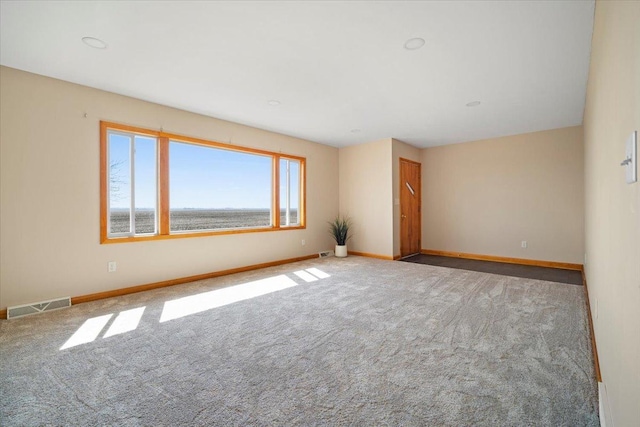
(630, 161)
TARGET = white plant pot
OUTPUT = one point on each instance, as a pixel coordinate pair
(341, 251)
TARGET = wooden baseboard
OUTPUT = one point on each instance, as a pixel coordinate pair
(367, 254)
(163, 284)
(521, 261)
(594, 348)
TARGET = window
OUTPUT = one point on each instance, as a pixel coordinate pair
(132, 184)
(289, 192)
(156, 185)
(212, 188)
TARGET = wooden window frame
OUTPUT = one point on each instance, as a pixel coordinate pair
(163, 209)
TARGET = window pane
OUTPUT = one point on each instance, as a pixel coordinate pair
(289, 192)
(145, 185)
(211, 188)
(294, 186)
(119, 183)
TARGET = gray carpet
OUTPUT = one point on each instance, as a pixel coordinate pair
(376, 343)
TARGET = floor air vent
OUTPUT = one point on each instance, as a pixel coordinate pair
(324, 254)
(28, 309)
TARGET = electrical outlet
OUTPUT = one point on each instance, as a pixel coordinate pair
(111, 266)
(303, 242)
(524, 244)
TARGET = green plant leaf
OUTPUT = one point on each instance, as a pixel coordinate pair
(339, 229)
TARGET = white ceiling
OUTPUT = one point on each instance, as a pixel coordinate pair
(334, 66)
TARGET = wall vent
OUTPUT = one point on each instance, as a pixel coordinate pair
(324, 254)
(28, 309)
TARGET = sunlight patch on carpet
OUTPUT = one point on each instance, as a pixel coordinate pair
(318, 273)
(307, 277)
(126, 321)
(88, 332)
(198, 303)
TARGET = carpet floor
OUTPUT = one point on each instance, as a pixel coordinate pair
(352, 341)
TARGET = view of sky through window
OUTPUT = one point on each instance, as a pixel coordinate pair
(209, 187)
(145, 171)
(209, 178)
(201, 177)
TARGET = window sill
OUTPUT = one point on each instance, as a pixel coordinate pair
(187, 234)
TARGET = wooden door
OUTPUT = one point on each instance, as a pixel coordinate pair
(410, 207)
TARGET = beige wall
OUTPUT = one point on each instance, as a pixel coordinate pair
(49, 218)
(400, 150)
(613, 207)
(366, 196)
(485, 197)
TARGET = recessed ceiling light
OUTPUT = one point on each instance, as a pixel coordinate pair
(273, 103)
(355, 130)
(94, 42)
(413, 44)
(473, 104)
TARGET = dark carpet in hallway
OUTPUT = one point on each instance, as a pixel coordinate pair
(558, 275)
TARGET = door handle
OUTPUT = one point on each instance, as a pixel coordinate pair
(403, 216)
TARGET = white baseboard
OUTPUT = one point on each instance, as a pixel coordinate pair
(604, 409)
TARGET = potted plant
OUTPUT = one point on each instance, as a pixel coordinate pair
(339, 229)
